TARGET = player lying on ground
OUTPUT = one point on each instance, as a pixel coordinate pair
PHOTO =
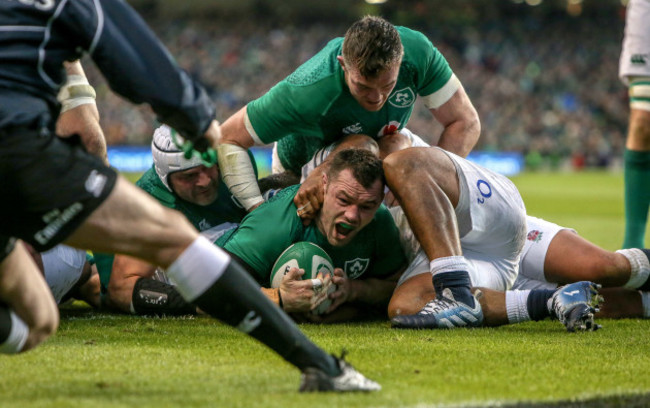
(634, 71)
(365, 83)
(352, 227)
(620, 268)
(256, 229)
(182, 184)
(70, 273)
(551, 254)
(494, 267)
(72, 196)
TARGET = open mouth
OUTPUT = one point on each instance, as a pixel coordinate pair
(344, 229)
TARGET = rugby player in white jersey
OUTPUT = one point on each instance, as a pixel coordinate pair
(634, 72)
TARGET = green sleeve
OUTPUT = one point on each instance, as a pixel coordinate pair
(104, 264)
(390, 257)
(296, 104)
(265, 233)
(288, 109)
(433, 70)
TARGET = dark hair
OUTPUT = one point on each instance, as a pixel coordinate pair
(372, 45)
(364, 165)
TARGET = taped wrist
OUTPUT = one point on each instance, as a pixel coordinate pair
(238, 174)
(152, 297)
(76, 92)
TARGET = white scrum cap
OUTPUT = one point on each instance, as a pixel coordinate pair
(167, 157)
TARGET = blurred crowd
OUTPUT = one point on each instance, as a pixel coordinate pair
(545, 86)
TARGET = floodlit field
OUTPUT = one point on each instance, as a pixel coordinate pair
(101, 360)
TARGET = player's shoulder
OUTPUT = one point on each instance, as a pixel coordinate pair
(413, 39)
(278, 209)
(151, 183)
(322, 69)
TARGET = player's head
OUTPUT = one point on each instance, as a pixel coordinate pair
(371, 57)
(187, 178)
(353, 190)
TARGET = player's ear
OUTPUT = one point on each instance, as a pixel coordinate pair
(341, 61)
(325, 180)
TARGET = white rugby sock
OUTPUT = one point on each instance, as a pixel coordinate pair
(516, 306)
(448, 264)
(640, 267)
(197, 268)
(17, 336)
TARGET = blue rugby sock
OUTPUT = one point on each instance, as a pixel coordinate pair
(537, 303)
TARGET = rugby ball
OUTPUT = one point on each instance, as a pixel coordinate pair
(308, 256)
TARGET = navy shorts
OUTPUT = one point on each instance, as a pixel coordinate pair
(48, 186)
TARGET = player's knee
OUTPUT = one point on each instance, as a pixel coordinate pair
(401, 165)
(42, 327)
(404, 306)
(393, 143)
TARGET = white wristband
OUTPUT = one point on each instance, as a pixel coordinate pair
(76, 92)
(238, 174)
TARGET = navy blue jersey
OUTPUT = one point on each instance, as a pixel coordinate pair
(37, 36)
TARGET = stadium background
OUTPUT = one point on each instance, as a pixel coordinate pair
(543, 77)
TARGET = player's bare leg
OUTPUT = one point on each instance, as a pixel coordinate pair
(25, 295)
(411, 296)
(425, 182)
(621, 303)
(132, 223)
(571, 258)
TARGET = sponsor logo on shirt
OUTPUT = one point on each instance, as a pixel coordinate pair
(535, 235)
(639, 59)
(353, 129)
(95, 183)
(55, 220)
(403, 98)
(356, 267)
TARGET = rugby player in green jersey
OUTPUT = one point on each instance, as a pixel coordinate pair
(352, 227)
(365, 83)
(185, 185)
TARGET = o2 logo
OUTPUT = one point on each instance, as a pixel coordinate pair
(484, 189)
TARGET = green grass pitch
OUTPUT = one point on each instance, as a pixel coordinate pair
(103, 360)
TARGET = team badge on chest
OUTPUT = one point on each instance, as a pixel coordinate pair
(403, 98)
(356, 267)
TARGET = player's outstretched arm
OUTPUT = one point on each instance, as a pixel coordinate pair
(235, 164)
(462, 126)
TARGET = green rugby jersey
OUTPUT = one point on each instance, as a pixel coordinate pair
(375, 252)
(313, 107)
(224, 209)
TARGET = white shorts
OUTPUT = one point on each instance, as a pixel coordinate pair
(635, 56)
(531, 268)
(63, 267)
(492, 221)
